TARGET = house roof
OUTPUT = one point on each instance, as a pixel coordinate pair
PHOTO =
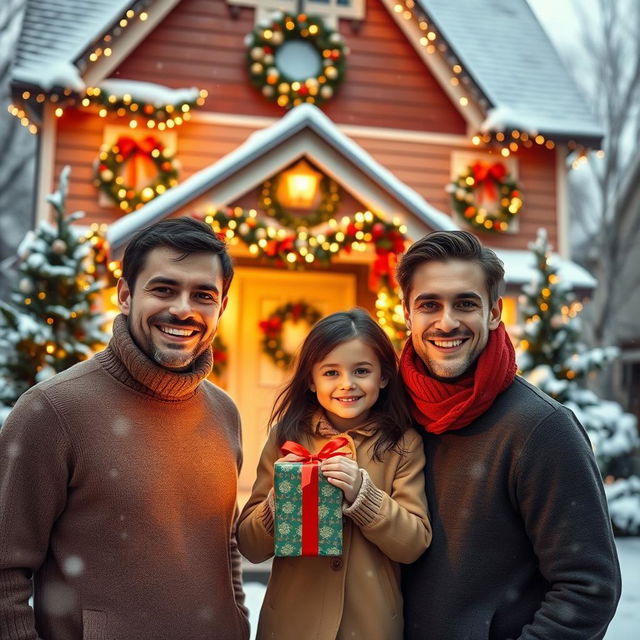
(56, 33)
(500, 43)
(262, 143)
(503, 47)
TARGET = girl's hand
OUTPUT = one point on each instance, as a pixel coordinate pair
(344, 473)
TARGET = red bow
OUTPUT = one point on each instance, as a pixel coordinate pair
(328, 451)
(138, 168)
(486, 177)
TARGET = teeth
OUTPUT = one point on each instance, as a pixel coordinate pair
(448, 344)
(177, 332)
(348, 399)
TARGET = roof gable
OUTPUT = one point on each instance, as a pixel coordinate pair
(510, 58)
(303, 131)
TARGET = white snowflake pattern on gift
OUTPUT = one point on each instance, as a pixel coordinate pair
(284, 528)
(326, 490)
(325, 532)
(287, 508)
(285, 487)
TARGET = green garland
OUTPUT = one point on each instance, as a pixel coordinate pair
(263, 43)
(297, 248)
(273, 326)
(329, 203)
(108, 169)
(127, 105)
(466, 196)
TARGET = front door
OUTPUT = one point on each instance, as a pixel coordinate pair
(253, 380)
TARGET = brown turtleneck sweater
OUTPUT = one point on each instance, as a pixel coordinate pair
(118, 495)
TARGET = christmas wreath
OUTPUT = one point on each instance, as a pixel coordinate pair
(272, 328)
(122, 166)
(330, 199)
(491, 185)
(264, 43)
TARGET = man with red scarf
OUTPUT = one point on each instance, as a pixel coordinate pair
(522, 542)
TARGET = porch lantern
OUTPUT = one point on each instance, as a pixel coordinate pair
(298, 186)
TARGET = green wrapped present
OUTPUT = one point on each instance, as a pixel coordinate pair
(308, 509)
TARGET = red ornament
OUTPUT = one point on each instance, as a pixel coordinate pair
(377, 231)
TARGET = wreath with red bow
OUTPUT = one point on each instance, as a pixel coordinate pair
(486, 196)
(129, 162)
(272, 328)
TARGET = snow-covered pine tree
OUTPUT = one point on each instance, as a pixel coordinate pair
(553, 357)
(50, 322)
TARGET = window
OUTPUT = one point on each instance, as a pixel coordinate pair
(330, 10)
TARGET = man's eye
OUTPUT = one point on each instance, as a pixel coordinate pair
(207, 297)
(467, 304)
(429, 306)
(162, 291)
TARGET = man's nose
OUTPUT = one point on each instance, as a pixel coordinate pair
(181, 306)
(448, 321)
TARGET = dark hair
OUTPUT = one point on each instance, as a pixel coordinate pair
(441, 246)
(186, 235)
(296, 403)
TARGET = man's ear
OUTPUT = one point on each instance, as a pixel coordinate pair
(407, 319)
(223, 306)
(495, 314)
(124, 297)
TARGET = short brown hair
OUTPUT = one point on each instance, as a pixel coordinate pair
(441, 246)
(185, 235)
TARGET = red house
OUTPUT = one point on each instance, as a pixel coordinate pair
(319, 139)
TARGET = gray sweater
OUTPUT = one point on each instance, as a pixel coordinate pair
(522, 542)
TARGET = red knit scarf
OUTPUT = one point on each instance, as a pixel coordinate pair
(443, 406)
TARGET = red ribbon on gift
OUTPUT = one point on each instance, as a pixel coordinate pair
(310, 464)
(487, 177)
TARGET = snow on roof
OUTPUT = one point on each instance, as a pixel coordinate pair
(261, 143)
(148, 92)
(55, 33)
(501, 44)
(520, 267)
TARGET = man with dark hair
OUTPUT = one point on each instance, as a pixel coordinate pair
(522, 542)
(118, 476)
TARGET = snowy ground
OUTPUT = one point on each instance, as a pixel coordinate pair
(625, 625)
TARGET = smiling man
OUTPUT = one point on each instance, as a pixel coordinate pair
(522, 542)
(118, 476)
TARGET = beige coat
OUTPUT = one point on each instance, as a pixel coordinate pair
(357, 595)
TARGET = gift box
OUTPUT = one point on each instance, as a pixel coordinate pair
(308, 509)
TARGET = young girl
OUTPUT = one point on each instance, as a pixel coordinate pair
(345, 383)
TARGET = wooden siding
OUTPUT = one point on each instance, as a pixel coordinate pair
(386, 85)
(423, 167)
